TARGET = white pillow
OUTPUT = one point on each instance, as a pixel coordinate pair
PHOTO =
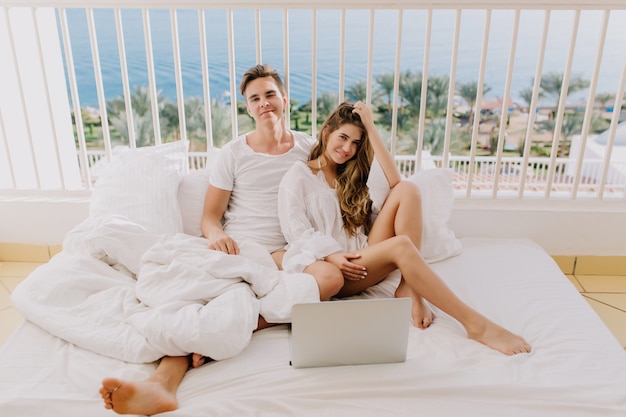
(191, 193)
(378, 186)
(438, 240)
(142, 184)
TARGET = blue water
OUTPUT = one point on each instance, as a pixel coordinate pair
(356, 55)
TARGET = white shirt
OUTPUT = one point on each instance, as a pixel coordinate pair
(253, 179)
(310, 218)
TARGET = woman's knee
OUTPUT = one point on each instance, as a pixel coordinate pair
(333, 283)
(329, 278)
(402, 245)
(406, 191)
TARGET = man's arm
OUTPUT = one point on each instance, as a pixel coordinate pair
(215, 204)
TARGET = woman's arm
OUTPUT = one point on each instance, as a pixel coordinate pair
(305, 244)
(383, 156)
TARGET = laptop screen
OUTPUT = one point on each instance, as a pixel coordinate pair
(350, 332)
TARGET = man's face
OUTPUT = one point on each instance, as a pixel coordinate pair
(264, 100)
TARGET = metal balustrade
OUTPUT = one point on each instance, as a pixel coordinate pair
(41, 92)
(482, 171)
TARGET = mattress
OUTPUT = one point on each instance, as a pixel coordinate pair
(576, 367)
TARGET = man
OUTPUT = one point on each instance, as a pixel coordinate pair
(240, 204)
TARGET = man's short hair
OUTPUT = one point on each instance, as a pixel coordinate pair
(260, 71)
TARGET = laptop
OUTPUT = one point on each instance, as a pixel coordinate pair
(350, 332)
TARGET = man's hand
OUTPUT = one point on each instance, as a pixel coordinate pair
(349, 269)
(223, 243)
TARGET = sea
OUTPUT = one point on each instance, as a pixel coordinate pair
(386, 53)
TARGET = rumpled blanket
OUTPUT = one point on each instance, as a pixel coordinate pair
(120, 291)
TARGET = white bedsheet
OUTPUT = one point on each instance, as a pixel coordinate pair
(185, 298)
(576, 369)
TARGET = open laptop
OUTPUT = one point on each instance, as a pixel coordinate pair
(350, 332)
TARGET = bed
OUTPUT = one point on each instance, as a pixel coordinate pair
(53, 364)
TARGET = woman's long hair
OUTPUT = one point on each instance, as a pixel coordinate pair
(352, 189)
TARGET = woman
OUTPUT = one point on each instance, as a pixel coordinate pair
(325, 212)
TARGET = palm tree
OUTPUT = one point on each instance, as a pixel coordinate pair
(411, 92)
(572, 123)
(356, 91)
(326, 103)
(195, 123)
(437, 101)
(434, 134)
(142, 124)
(170, 127)
(142, 116)
(552, 83)
(385, 84)
(526, 94)
(469, 91)
(221, 123)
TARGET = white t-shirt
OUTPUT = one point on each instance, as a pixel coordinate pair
(253, 179)
(310, 217)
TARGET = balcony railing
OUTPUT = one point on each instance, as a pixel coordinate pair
(459, 84)
(481, 172)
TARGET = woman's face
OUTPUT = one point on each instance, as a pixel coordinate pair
(343, 143)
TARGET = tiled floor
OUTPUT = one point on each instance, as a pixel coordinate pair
(11, 274)
(605, 293)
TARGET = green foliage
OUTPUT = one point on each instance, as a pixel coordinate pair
(409, 104)
(552, 83)
(356, 92)
(469, 91)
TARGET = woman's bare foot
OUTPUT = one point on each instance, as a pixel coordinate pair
(498, 338)
(137, 397)
(421, 313)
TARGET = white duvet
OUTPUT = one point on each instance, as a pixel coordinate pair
(576, 367)
(122, 292)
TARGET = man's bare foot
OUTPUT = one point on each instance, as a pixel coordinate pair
(197, 360)
(137, 397)
(421, 313)
(499, 338)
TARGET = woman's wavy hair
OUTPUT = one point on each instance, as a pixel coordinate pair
(352, 189)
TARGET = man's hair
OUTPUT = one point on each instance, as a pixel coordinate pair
(260, 71)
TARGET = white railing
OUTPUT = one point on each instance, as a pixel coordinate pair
(482, 172)
(418, 103)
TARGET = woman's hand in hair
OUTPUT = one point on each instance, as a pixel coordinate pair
(365, 113)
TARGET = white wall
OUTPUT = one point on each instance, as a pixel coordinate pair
(36, 125)
(36, 221)
(561, 228)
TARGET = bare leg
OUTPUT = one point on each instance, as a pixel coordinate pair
(329, 278)
(156, 394)
(399, 252)
(421, 314)
(402, 215)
